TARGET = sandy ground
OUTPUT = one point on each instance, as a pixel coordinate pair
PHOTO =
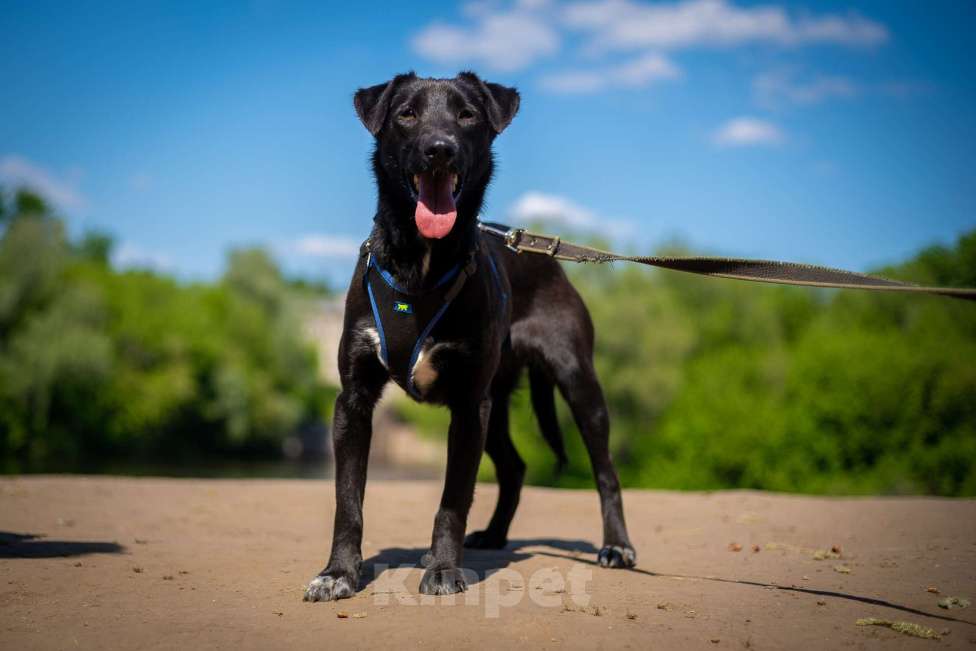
(156, 563)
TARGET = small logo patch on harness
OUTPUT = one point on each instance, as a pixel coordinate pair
(402, 308)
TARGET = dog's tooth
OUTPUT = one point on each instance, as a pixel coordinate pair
(416, 180)
(454, 180)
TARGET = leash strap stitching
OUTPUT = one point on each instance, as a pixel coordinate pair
(766, 271)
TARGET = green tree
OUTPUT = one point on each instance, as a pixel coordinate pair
(97, 363)
(96, 246)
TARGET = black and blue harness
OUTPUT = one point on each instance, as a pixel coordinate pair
(404, 320)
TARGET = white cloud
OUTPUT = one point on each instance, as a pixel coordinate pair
(780, 87)
(133, 256)
(638, 73)
(513, 35)
(623, 24)
(504, 41)
(318, 245)
(746, 132)
(17, 171)
(562, 211)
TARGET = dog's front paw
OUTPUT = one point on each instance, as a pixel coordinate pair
(329, 585)
(484, 540)
(617, 556)
(442, 580)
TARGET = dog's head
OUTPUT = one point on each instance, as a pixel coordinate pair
(433, 156)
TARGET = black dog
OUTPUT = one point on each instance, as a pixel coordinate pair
(454, 318)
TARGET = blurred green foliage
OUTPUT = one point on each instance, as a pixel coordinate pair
(97, 363)
(710, 383)
(721, 384)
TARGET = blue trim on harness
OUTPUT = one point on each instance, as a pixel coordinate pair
(420, 344)
(498, 279)
(385, 275)
(388, 278)
(377, 320)
(449, 276)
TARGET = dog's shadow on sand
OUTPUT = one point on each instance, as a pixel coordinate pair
(482, 562)
(873, 601)
(30, 545)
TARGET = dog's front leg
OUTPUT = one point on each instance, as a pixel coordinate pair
(465, 444)
(352, 432)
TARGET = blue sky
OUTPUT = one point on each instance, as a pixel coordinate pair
(823, 132)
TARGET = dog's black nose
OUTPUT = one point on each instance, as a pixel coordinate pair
(440, 151)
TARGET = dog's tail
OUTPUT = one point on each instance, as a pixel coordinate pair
(541, 389)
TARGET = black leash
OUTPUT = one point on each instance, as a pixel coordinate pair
(763, 271)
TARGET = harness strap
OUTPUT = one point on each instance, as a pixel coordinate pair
(764, 271)
(462, 277)
(404, 320)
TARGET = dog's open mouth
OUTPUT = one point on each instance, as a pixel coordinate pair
(437, 194)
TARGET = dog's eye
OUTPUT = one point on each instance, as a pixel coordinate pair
(466, 116)
(407, 115)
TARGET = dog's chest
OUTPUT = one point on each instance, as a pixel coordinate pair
(424, 372)
(405, 328)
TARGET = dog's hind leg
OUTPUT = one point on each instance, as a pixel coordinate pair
(577, 381)
(509, 469)
(541, 388)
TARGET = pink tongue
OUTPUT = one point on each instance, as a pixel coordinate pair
(436, 211)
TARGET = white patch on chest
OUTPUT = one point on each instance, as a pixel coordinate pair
(374, 338)
(423, 373)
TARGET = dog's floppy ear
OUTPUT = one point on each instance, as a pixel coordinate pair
(372, 103)
(501, 102)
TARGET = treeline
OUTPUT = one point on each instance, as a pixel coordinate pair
(720, 384)
(97, 363)
(711, 383)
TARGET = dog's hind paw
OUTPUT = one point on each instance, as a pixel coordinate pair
(484, 540)
(443, 580)
(617, 556)
(329, 586)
